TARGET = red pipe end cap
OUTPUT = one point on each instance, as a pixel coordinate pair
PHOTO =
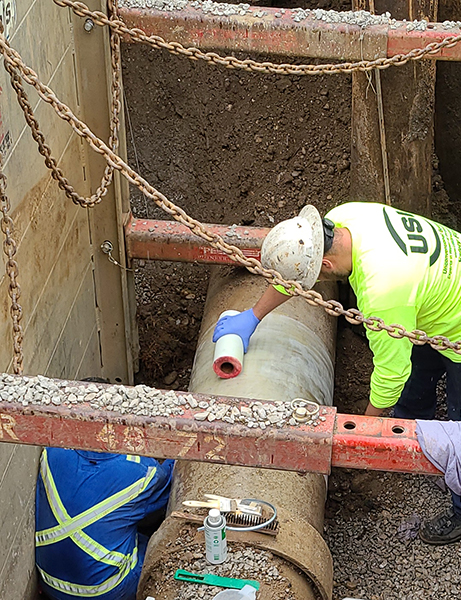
(227, 367)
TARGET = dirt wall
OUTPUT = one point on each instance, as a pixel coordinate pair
(447, 116)
(229, 147)
(235, 147)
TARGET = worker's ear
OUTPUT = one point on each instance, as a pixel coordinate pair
(327, 266)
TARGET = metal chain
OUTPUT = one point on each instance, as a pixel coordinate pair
(38, 136)
(230, 62)
(7, 224)
(14, 291)
(332, 307)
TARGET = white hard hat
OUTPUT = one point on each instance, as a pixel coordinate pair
(294, 247)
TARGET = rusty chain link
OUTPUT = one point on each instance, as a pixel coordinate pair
(230, 62)
(14, 291)
(19, 70)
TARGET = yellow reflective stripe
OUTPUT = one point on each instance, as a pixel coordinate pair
(54, 499)
(67, 527)
(283, 290)
(88, 591)
(98, 551)
(133, 458)
(97, 512)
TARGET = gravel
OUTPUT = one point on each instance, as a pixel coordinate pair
(372, 559)
(242, 562)
(371, 527)
(207, 6)
(148, 402)
(361, 18)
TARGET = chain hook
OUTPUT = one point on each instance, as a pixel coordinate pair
(305, 410)
(107, 248)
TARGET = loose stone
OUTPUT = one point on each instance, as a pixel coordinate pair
(201, 416)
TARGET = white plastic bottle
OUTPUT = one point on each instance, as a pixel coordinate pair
(215, 537)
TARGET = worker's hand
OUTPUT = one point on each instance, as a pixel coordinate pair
(242, 325)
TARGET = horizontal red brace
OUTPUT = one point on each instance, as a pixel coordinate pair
(355, 442)
(169, 240)
(401, 41)
(303, 448)
(267, 30)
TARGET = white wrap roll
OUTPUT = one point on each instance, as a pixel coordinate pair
(228, 354)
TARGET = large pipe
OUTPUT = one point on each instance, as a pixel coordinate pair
(291, 356)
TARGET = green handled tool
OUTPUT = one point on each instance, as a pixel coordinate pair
(208, 579)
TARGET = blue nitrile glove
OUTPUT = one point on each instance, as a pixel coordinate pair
(242, 325)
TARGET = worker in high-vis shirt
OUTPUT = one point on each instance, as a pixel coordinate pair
(404, 269)
(88, 507)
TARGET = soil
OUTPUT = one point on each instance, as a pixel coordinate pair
(233, 147)
(228, 147)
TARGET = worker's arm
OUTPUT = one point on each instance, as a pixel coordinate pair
(268, 301)
(245, 323)
(391, 359)
(372, 411)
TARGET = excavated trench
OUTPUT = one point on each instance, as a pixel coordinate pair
(233, 147)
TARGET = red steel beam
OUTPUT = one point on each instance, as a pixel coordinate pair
(169, 240)
(304, 448)
(401, 41)
(268, 34)
(269, 31)
(354, 442)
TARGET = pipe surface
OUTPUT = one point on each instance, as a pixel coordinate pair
(290, 356)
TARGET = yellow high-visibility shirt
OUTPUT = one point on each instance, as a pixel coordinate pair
(406, 269)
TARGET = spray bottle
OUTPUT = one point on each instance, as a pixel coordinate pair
(215, 537)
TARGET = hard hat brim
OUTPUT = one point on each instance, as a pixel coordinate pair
(312, 216)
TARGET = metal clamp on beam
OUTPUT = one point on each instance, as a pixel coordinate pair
(378, 443)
